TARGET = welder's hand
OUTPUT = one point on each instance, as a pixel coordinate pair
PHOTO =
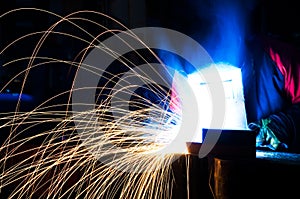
(265, 136)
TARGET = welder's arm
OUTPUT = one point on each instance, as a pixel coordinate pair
(282, 129)
(279, 131)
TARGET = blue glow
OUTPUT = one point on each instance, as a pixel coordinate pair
(228, 23)
(174, 61)
(222, 34)
(221, 27)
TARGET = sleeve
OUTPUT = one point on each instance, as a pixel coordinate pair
(286, 126)
(287, 59)
(283, 127)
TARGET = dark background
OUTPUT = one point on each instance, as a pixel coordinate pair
(278, 19)
(275, 18)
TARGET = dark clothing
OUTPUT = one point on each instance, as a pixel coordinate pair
(271, 78)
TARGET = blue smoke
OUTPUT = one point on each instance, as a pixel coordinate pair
(221, 27)
(228, 27)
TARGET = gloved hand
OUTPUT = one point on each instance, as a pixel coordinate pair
(265, 136)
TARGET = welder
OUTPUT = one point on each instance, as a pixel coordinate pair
(271, 78)
(270, 72)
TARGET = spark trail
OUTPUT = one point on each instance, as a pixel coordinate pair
(120, 155)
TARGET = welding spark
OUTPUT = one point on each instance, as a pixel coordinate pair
(111, 152)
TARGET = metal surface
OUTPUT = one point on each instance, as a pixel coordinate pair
(278, 157)
(230, 144)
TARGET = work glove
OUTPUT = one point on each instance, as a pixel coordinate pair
(265, 135)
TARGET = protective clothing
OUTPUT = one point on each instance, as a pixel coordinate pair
(271, 78)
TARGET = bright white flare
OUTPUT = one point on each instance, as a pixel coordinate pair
(231, 81)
